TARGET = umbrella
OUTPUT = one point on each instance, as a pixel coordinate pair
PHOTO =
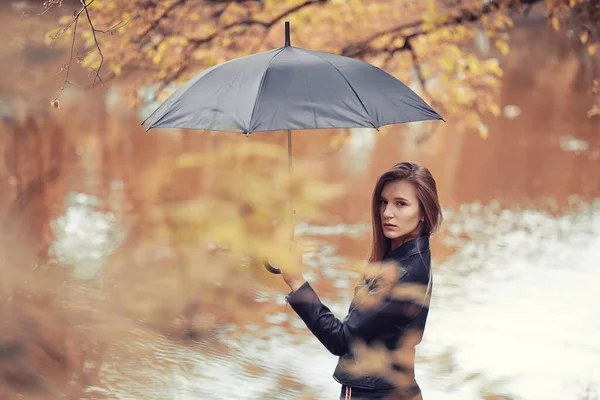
(290, 88)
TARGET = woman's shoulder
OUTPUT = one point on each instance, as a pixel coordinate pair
(408, 250)
(414, 267)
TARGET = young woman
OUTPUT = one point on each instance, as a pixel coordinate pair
(387, 316)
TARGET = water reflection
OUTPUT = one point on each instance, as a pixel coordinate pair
(516, 300)
(358, 153)
(86, 235)
(512, 313)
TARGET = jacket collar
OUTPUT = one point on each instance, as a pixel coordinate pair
(410, 248)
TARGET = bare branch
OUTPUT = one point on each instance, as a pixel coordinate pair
(73, 21)
(97, 73)
(50, 5)
(118, 25)
(96, 47)
(68, 65)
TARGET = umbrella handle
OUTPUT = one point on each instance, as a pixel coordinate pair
(271, 268)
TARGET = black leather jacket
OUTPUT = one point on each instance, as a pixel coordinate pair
(385, 321)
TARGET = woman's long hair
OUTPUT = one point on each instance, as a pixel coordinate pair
(426, 191)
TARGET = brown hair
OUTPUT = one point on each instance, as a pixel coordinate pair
(426, 191)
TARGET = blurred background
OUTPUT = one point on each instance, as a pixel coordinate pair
(125, 255)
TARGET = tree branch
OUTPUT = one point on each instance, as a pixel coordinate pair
(196, 43)
(248, 22)
(414, 29)
(411, 30)
(97, 72)
(67, 67)
(154, 24)
(50, 4)
(417, 66)
(73, 23)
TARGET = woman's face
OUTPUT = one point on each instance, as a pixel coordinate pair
(399, 210)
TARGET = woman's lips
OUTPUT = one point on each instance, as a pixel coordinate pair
(389, 226)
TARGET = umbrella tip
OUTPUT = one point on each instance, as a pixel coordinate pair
(287, 33)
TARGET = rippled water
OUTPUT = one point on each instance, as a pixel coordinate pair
(513, 311)
(516, 303)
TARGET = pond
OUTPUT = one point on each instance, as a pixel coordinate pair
(512, 309)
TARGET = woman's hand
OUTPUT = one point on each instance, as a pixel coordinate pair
(293, 280)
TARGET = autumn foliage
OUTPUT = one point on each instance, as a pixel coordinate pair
(187, 259)
(450, 52)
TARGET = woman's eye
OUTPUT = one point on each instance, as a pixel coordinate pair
(400, 204)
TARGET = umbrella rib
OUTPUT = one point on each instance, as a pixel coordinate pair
(348, 82)
(308, 94)
(260, 87)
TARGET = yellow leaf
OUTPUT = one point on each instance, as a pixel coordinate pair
(503, 20)
(592, 49)
(447, 63)
(431, 7)
(502, 46)
(595, 87)
(337, 140)
(474, 65)
(50, 36)
(472, 116)
(495, 110)
(556, 24)
(91, 61)
(428, 26)
(595, 110)
(494, 67)
(65, 19)
(584, 37)
(484, 131)
(116, 68)
(87, 36)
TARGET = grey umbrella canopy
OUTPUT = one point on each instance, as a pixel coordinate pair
(290, 88)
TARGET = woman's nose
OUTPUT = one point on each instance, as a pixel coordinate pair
(387, 212)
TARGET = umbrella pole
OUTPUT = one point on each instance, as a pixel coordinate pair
(266, 263)
(289, 140)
